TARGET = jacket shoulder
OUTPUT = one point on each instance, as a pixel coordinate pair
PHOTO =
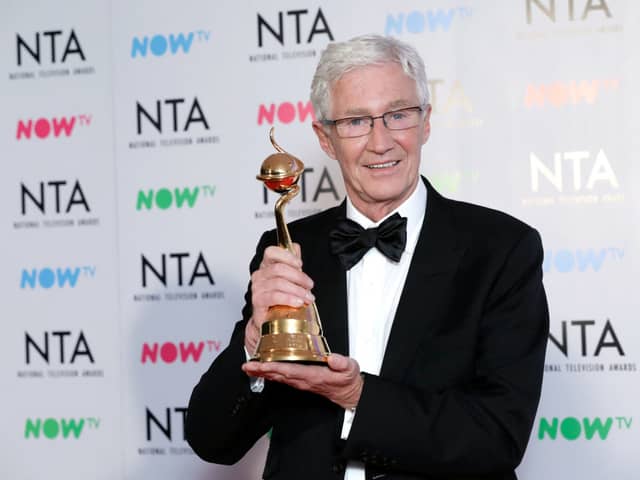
(488, 226)
(306, 229)
(324, 217)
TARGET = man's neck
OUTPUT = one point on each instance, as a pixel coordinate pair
(412, 206)
(377, 212)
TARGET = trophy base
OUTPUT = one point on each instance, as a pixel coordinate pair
(302, 348)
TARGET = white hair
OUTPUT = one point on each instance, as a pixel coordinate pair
(342, 57)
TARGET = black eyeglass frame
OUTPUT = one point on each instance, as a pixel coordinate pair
(371, 118)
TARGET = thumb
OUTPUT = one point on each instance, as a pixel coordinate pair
(338, 363)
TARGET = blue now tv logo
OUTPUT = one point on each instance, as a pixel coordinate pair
(418, 21)
(580, 260)
(174, 43)
(51, 277)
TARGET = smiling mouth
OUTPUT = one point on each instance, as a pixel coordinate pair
(383, 165)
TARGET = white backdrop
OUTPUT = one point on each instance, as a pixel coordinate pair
(131, 136)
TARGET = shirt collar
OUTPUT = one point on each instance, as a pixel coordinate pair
(413, 208)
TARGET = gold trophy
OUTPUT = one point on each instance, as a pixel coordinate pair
(289, 334)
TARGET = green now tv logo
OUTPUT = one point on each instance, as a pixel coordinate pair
(53, 428)
(164, 198)
(450, 182)
(572, 428)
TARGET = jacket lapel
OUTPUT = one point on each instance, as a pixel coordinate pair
(331, 283)
(428, 287)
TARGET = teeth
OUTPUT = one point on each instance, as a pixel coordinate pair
(384, 165)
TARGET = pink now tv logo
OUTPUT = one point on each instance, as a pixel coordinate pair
(285, 112)
(43, 128)
(170, 352)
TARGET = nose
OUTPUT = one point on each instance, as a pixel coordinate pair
(380, 139)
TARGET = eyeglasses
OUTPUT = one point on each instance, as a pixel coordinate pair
(359, 126)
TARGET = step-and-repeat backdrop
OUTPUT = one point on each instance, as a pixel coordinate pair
(131, 136)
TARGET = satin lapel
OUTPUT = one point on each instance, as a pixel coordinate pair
(330, 283)
(428, 286)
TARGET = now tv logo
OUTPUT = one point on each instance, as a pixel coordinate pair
(580, 260)
(53, 428)
(170, 352)
(571, 428)
(285, 112)
(572, 92)
(55, 126)
(164, 198)
(50, 277)
(159, 45)
(425, 21)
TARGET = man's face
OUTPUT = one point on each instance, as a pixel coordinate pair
(380, 170)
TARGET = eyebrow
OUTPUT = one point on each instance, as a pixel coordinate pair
(396, 104)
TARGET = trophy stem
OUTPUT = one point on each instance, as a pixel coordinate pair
(284, 238)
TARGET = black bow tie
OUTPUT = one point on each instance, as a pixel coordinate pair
(349, 241)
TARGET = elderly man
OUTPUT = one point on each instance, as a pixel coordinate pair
(438, 342)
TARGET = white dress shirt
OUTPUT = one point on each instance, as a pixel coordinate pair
(374, 286)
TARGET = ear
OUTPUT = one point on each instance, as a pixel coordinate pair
(324, 139)
(427, 123)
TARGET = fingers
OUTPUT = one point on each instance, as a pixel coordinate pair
(280, 281)
(274, 254)
(303, 377)
(342, 385)
(280, 288)
(282, 277)
(251, 335)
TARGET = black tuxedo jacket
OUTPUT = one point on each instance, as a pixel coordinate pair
(461, 376)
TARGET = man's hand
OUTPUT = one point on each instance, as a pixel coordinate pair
(278, 281)
(341, 382)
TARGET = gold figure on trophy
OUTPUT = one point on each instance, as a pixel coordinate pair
(289, 334)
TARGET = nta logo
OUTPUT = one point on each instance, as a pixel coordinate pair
(166, 426)
(53, 428)
(159, 45)
(572, 428)
(57, 190)
(200, 269)
(195, 115)
(319, 26)
(44, 127)
(164, 198)
(454, 97)
(430, 20)
(285, 112)
(50, 277)
(79, 347)
(600, 171)
(548, 9)
(323, 184)
(169, 352)
(607, 337)
(71, 46)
